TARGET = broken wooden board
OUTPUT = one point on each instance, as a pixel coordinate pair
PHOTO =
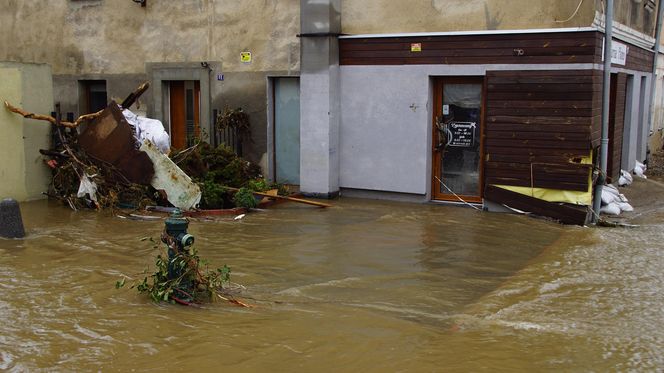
(180, 191)
(565, 213)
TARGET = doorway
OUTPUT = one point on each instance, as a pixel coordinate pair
(287, 130)
(457, 141)
(184, 109)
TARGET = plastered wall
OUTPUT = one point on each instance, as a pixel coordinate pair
(114, 40)
(639, 15)
(23, 174)
(119, 36)
(388, 16)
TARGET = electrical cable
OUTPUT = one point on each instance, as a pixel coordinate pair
(573, 14)
(456, 195)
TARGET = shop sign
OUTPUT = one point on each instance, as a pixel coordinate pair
(618, 52)
(461, 134)
(416, 47)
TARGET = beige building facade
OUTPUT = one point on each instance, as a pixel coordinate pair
(114, 45)
(279, 58)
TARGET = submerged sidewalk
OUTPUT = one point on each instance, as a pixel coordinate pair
(646, 196)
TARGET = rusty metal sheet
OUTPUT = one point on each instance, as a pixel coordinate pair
(110, 138)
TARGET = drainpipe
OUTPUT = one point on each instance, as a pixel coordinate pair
(604, 145)
(653, 84)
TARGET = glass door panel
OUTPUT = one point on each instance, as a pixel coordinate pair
(287, 130)
(457, 140)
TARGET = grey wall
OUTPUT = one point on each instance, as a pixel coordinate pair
(629, 129)
(67, 89)
(385, 128)
(644, 127)
(320, 98)
(385, 139)
(238, 89)
(248, 91)
(635, 132)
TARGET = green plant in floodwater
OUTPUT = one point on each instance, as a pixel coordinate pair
(245, 198)
(212, 194)
(258, 185)
(196, 283)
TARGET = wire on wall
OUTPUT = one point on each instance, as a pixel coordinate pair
(573, 14)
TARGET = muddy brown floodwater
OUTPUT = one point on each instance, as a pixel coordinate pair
(365, 286)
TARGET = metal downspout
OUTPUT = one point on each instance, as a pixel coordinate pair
(606, 90)
(653, 84)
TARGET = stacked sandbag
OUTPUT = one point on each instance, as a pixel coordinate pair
(613, 202)
(640, 170)
(625, 179)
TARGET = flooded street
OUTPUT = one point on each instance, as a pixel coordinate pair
(363, 286)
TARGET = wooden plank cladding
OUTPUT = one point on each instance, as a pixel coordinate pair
(539, 126)
(638, 59)
(566, 214)
(540, 48)
(544, 48)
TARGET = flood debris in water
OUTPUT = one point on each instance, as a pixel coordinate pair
(180, 275)
(180, 191)
(121, 160)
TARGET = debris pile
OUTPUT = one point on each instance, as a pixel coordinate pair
(122, 160)
(96, 171)
(221, 174)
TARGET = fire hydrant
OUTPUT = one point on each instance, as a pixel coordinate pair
(177, 239)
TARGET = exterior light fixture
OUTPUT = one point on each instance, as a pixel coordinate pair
(142, 2)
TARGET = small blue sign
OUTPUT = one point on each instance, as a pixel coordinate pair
(220, 77)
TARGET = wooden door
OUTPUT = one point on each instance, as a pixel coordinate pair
(184, 112)
(457, 139)
(178, 133)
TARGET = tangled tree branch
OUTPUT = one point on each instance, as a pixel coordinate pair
(49, 118)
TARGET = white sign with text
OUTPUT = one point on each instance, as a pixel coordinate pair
(618, 52)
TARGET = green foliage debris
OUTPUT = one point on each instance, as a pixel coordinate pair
(197, 283)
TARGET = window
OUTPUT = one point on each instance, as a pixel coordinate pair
(93, 96)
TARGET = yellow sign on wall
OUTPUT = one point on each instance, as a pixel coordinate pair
(245, 57)
(416, 47)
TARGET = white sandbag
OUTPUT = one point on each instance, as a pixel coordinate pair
(622, 181)
(611, 209)
(625, 178)
(625, 207)
(609, 195)
(611, 189)
(607, 198)
(149, 129)
(639, 170)
(622, 198)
